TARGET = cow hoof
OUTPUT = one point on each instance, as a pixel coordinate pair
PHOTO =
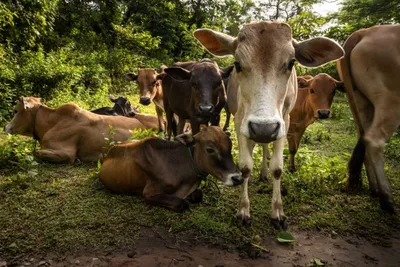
(196, 196)
(279, 224)
(243, 220)
(263, 178)
(387, 205)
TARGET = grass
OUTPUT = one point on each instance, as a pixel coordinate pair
(64, 208)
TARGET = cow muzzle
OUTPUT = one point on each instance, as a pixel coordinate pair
(145, 100)
(234, 179)
(263, 132)
(206, 110)
(323, 113)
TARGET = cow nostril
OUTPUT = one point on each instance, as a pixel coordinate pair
(237, 180)
(206, 108)
(323, 114)
(145, 100)
(263, 132)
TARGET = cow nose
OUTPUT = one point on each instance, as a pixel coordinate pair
(323, 114)
(144, 100)
(237, 180)
(263, 132)
(206, 109)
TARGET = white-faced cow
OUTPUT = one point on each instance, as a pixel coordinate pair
(262, 92)
(371, 74)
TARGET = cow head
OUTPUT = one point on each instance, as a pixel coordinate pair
(213, 154)
(24, 113)
(206, 80)
(122, 105)
(148, 84)
(265, 54)
(321, 90)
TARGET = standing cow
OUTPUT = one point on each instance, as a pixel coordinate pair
(370, 72)
(262, 92)
(150, 87)
(314, 100)
(193, 91)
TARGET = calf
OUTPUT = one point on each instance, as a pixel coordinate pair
(370, 72)
(150, 87)
(68, 132)
(122, 107)
(262, 92)
(166, 172)
(193, 91)
(314, 100)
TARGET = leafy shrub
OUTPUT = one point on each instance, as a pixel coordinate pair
(15, 150)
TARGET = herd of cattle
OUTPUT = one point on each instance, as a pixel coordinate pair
(268, 101)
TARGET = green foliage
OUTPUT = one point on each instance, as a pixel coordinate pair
(16, 151)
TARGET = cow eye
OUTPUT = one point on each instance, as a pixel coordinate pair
(238, 67)
(210, 150)
(312, 91)
(291, 64)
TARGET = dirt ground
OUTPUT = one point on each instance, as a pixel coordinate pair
(160, 248)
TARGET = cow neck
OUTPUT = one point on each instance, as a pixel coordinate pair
(200, 174)
(309, 112)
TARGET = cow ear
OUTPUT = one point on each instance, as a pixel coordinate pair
(131, 76)
(302, 83)
(178, 73)
(340, 86)
(317, 51)
(226, 72)
(26, 103)
(113, 99)
(187, 139)
(216, 43)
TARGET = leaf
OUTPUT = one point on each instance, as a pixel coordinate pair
(285, 237)
(317, 262)
(98, 164)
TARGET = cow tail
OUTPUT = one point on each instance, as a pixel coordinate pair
(343, 66)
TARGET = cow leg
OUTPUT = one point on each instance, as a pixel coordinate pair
(384, 123)
(161, 126)
(153, 194)
(228, 118)
(359, 155)
(246, 147)
(56, 156)
(216, 116)
(264, 164)
(170, 120)
(278, 217)
(195, 127)
(294, 138)
(181, 126)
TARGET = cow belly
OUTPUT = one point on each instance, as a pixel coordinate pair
(122, 176)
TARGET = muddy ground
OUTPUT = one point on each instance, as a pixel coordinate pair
(160, 248)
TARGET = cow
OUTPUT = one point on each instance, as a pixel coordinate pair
(314, 100)
(262, 92)
(181, 165)
(193, 91)
(150, 87)
(370, 72)
(68, 132)
(122, 107)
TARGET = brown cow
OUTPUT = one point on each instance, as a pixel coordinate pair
(122, 107)
(68, 132)
(150, 90)
(180, 166)
(370, 72)
(314, 100)
(193, 91)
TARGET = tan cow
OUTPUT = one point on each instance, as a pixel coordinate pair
(68, 132)
(150, 87)
(167, 172)
(314, 100)
(371, 74)
(262, 91)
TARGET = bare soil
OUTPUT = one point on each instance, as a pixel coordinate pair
(160, 248)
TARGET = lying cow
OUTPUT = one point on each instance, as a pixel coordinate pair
(262, 92)
(181, 166)
(68, 132)
(193, 91)
(150, 87)
(370, 72)
(122, 107)
(314, 100)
